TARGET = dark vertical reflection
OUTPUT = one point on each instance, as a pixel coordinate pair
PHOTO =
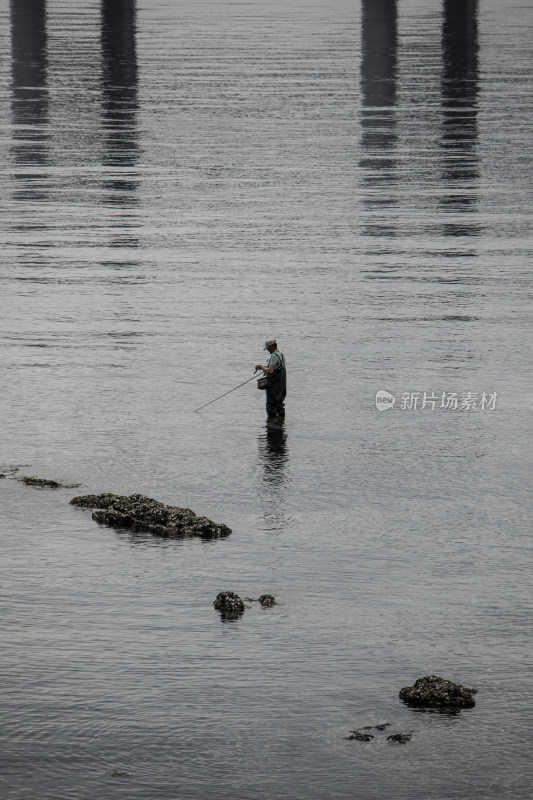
(459, 118)
(274, 458)
(119, 100)
(29, 93)
(379, 37)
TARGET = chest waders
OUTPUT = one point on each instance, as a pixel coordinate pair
(277, 391)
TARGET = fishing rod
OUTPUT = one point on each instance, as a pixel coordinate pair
(225, 393)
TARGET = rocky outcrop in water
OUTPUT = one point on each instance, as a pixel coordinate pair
(143, 513)
(229, 604)
(435, 692)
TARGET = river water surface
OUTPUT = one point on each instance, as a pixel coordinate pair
(179, 182)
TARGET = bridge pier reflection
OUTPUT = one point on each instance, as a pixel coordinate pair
(379, 46)
(119, 98)
(29, 92)
(459, 86)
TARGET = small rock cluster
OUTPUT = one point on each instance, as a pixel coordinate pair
(430, 692)
(358, 736)
(435, 692)
(143, 513)
(231, 606)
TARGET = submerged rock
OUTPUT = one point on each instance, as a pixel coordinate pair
(143, 513)
(10, 472)
(400, 738)
(381, 727)
(435, 692)
(229, 604)
(29, 480)
(45, 483)
(360, 737)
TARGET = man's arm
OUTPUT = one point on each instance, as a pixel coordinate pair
(268, 370)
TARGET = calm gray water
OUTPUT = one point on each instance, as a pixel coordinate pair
(179, 182)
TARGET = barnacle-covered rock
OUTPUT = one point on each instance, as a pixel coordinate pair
(267, 600)
(229, 604)
(94, 500)
(143, 513)
(435, 692)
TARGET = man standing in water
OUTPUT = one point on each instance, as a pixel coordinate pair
(276, 392)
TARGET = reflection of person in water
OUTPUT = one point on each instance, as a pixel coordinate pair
(277, 390)
(273, 450)
(274, 460)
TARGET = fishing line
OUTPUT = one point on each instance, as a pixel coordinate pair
(225, 393)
